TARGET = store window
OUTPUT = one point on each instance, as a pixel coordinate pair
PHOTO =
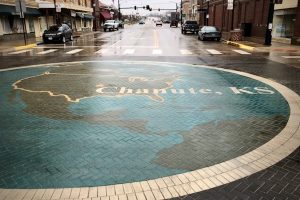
(31, 25)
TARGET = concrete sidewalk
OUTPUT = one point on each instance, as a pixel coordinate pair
(16, 45)
(252, 46)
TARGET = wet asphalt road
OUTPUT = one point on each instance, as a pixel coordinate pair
(165, 44)
(150, 43)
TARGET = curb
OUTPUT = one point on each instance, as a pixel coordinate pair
(242, 46)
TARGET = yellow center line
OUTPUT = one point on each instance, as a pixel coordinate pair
(156, 40)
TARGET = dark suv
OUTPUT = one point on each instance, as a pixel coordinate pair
(190, 26)
(58, 33)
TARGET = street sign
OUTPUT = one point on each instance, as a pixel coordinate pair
(58, 8)
(20, 6)
(230, 5)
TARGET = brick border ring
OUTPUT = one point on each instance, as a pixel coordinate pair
(287, 141)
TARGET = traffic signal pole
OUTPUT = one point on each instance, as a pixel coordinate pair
(181, 12)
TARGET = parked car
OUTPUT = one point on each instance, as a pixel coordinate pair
(190, 26)
(209, 32)
(158, 23)
(121, 24)
(141, 22)
(58, 33)
(110, 25)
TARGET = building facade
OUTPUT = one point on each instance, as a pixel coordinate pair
(11, 25)
(40, 14)
(251, 16)
(284, 21)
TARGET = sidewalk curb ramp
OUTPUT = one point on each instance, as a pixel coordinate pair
(29, 46)
(242, 46)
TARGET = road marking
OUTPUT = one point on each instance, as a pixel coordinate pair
(102, 51)
(74, 51)
(157, 51)
(19, 52)
(156, 40)
(213, 51)
(128, 51)
(291, 56)
(47, 51)
(242, 52)
(185, 52)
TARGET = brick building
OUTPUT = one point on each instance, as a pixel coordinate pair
(249, 14)
(252, 17)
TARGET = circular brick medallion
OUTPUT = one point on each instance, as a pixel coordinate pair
(101, 123)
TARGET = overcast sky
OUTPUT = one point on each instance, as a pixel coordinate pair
(155, 4)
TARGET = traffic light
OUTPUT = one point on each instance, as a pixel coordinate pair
(147, 7)
(134, 7)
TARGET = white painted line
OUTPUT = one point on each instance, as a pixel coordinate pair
(291, 56)
(19, 52)
(157, 51)
(129, 51)
(74, 51)
(185, 52)
(102, 51)
(213, 51)
(242, 52)
(47, 51)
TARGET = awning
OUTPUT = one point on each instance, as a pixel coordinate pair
(80, 14)
(11, 10)
(106, 15)
(88, 16)
(84, 15)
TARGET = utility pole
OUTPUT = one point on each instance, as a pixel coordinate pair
(268, 35)
(22, 16)
(94, 14)
(119, 13)
(55, 13)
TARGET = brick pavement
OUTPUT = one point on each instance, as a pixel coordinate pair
(280, 181)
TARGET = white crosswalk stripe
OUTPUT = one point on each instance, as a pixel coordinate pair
(128, 51)
(132, 51)
(291, 56)
(74, 51)
(213, 51)
(185, 52)
(242, 52)
(47, 51)
(19, 52)
(157, 51)
(102, 51)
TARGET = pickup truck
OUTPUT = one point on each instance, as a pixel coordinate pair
(190, 26)
(110, 25)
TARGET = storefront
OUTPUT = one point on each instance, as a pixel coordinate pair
(11, 23)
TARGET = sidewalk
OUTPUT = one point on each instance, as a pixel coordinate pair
(32, 42)
(252, 46)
